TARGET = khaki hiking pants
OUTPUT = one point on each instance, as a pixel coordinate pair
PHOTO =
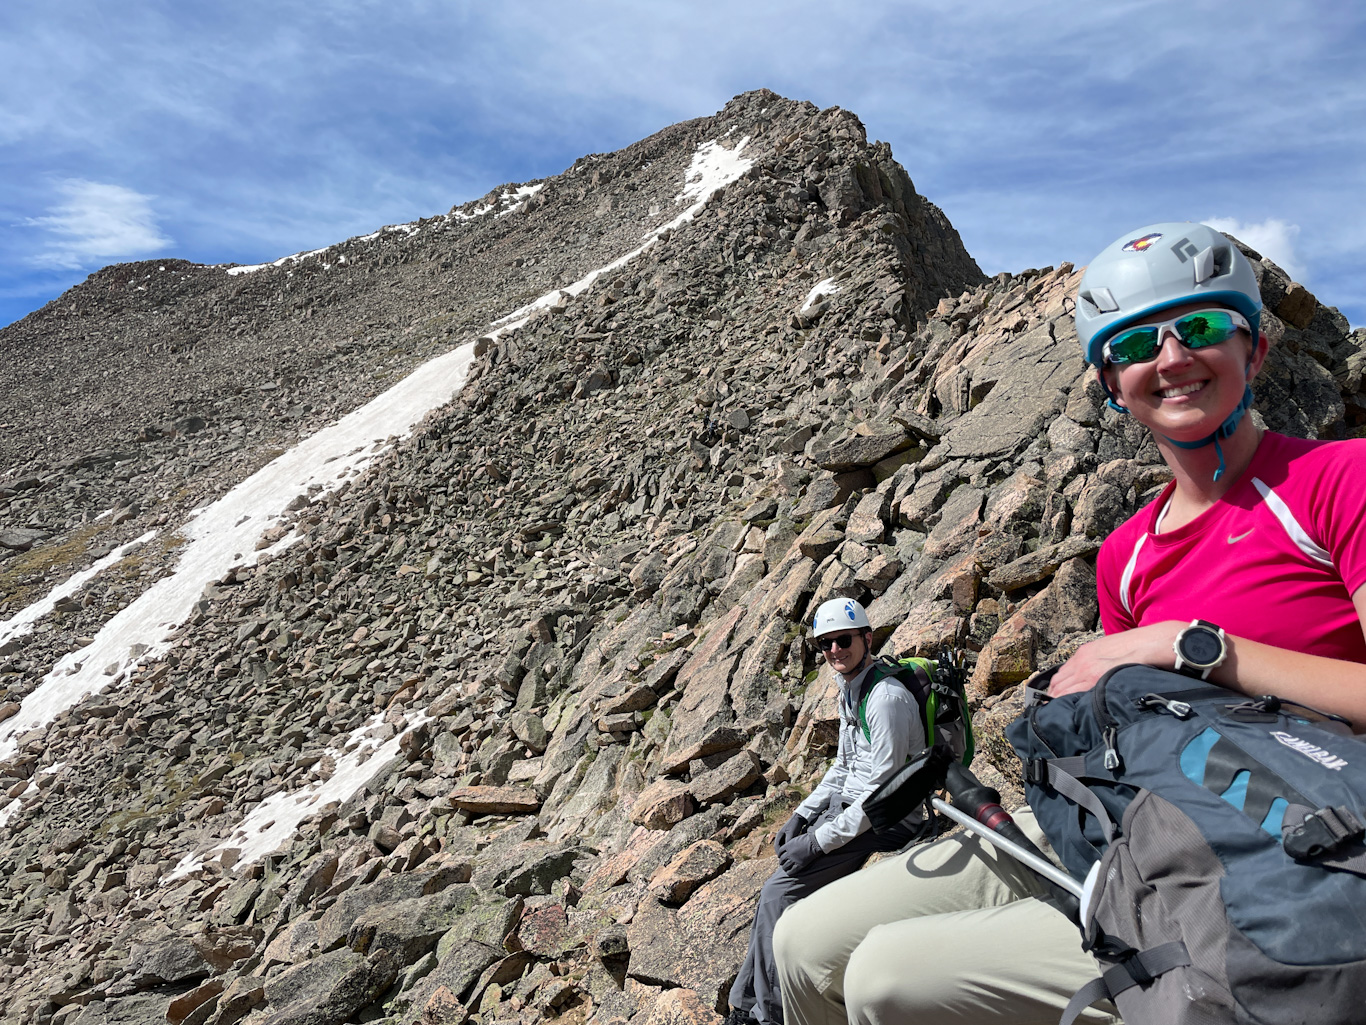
(947, 932)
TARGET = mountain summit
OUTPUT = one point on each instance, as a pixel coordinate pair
(411, 630)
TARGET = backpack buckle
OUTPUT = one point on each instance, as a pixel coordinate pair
(1322, 832)
(1036, 771)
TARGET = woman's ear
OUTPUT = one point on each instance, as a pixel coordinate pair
(1108, 376)
(1258, 355)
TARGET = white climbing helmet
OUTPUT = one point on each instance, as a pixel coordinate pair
(839, 614)
(1157, 267)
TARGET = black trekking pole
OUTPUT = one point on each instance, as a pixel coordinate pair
(975, 807)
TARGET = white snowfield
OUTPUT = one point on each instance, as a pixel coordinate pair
(509, 201)
(276, 819)
(224, 536)
(713, 167)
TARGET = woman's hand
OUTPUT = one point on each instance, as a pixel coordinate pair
(1150, 645)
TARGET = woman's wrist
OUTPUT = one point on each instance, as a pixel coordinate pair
(1163, 641)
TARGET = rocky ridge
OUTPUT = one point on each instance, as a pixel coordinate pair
(573, 598)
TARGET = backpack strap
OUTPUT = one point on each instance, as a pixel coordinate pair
(876, 676)
(1065, 776)
(922, 689)
(1329, 837)
(1134, 969)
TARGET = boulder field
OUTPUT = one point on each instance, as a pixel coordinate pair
(554, 633)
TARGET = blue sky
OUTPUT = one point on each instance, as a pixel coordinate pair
(247, 131)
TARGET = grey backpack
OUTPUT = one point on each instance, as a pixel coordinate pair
(1220, 838)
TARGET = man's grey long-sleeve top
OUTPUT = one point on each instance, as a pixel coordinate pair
(862, 763)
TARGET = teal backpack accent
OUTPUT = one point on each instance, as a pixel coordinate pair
(937, 685)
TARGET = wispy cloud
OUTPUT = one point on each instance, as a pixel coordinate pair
(1273, 238)
(95, 223)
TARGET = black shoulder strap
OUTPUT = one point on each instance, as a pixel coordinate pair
(1137, 969)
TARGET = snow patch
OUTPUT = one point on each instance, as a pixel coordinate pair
(295, 258)
(24, 620)
(508, 201)
(713, 167)
(15, 804)
(275, 820)
(224, 534)
(822, 289)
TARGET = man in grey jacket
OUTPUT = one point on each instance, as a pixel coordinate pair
(829, 836)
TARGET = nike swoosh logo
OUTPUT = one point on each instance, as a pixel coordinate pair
(1234, 540)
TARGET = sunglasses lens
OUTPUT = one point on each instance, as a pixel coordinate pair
(844, 641)
(1208, 327)
(1196, 331)
(1137, 345)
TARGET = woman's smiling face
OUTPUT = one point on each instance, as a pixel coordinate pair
(1186, 393)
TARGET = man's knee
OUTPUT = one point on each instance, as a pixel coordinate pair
(786, 937)
(875, 983)
(796, 940)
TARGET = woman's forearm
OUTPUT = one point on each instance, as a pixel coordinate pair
(1250, 667)
(1328, 684)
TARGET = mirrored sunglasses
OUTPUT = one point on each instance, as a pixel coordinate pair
(1197, 330)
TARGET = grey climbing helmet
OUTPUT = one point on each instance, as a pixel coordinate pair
(1157, 267)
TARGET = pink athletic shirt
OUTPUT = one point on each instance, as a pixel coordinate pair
(1276, 560)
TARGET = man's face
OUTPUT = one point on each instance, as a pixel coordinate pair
(844, 650)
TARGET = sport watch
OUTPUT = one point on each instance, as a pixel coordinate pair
(1200, 649)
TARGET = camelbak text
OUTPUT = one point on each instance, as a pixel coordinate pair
(1325, 758)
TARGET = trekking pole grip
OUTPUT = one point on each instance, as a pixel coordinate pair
(983, 803)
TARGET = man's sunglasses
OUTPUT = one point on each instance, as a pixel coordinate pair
(1197, 330)
(836, 640)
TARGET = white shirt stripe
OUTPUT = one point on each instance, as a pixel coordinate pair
(1129, 574)
(1298, 534)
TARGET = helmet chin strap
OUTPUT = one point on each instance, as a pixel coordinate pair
(1225, 430)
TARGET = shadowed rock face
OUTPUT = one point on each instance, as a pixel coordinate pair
(590, 572)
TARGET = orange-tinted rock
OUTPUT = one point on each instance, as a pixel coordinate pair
(691, 867)
(681, 1007)
(1007, 659)
(183, 1006)
(726, 780)
(663, 804)
(496, 800)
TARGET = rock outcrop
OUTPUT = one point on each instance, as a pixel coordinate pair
(571, 601)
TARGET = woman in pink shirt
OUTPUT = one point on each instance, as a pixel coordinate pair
(1249, 570)
(1259, 537)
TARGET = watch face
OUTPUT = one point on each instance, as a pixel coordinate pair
(1200, 646)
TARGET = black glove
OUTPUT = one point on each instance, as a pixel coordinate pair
(795, 826)
(798, 853)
